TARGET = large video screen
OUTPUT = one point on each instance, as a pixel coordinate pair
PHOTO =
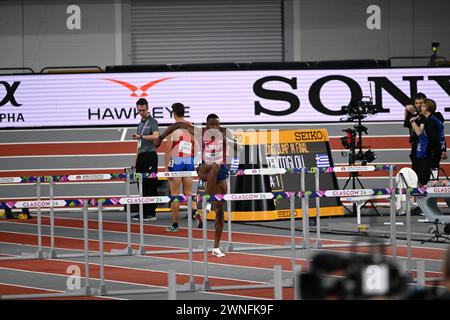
(104, 99)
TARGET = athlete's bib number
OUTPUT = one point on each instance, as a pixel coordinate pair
(185, 147)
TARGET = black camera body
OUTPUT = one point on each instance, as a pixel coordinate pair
(354, 276)
(360, 109)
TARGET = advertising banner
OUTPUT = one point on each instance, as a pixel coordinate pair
(104, 99)
(276, 151)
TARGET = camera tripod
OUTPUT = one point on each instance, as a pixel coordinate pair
(353, 156)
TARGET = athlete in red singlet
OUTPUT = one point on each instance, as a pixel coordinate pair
(213, 169)
(179, 156)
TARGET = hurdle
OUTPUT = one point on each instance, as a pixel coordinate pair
(305, 206)
(191, 286)
(103, 290)
(52, 254)
(87, 289)
(40, 254)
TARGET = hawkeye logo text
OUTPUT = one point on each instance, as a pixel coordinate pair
(129, 112)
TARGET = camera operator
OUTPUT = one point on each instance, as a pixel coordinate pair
(430, 143)
(413, 111)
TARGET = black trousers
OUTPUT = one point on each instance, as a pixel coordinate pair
(424, 167)
(414, 159)
(147, 162)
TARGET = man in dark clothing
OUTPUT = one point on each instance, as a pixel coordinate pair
(412, 111)
(146, 157)
(430, 152)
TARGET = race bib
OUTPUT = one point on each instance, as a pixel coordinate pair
(185, 147)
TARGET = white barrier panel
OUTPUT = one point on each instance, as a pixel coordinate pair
(180, 174)
(354, 169)
(248, 196)
(438, 190)
(10, 180)
(137, 200)
(40, 204)
(349, 193)
(86, 177)
(269, 171)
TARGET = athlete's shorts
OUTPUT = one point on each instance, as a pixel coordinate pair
(178, 164)
(223, 173)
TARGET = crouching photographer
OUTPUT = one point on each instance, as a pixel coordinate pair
(337, 276)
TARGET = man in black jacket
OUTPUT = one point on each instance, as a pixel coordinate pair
(428, 154)
(413, 111)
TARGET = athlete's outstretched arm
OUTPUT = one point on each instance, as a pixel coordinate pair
(172, 128)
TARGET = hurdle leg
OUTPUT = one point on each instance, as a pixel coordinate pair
(230, 241)
(52, 220)
(191, 283)
(39, 252)
(297, 271)
(87, 286)
(102, 289)
(408, 231)
(392, 213)
(172, 285)
(129, 249)
(292, 208)
(206, 285)
(278, 282)
(141, 219)
(317, 180)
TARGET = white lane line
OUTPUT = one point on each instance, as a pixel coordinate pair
(211, 230)
(131, 283)
(46, 289)
(124, 133)
(436, 273)
(53, 290)
(152, 256)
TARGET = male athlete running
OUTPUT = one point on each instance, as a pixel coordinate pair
(214, 143)
(179, 157)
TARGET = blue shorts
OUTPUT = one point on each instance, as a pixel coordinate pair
(182, 164)
(223, 173)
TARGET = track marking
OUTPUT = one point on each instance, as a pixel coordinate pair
(124, 133)
(164, 256)
(233, 233)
